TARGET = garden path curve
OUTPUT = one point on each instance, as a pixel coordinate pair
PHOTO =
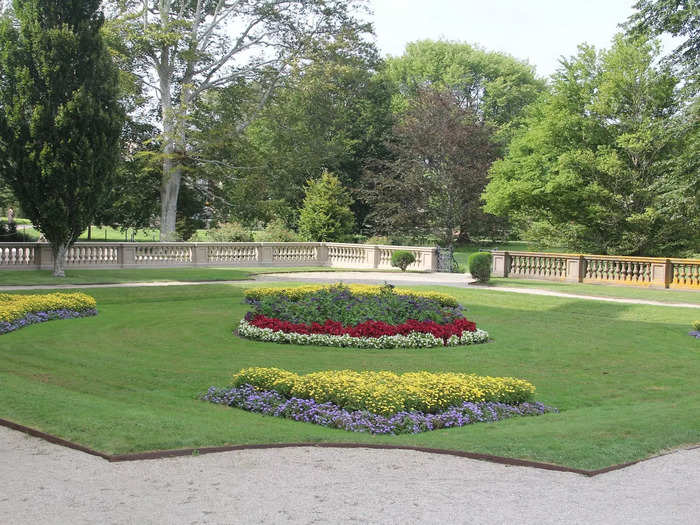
(43, 483)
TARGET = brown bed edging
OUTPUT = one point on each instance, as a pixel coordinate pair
(160, 454)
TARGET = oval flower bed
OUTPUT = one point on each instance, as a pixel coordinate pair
(379, 402)
(18, 311)
(359, 316)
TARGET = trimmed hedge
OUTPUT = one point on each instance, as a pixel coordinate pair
(480, 266)
(402, 259)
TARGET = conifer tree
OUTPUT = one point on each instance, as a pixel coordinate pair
(326, 215)
(60, 118)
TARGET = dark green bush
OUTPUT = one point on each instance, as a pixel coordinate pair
(480, 266)
(402, 258)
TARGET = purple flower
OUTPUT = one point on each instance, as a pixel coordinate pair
(330, 415)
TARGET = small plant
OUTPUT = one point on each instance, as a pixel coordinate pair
(480, 266)
(230, 232)
(402, 259)
(277, 231)
(379, 239)
(696, 326)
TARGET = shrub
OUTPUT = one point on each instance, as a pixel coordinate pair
(480, 266)
(385, 392)
(230, 232)
(402, 259)
(326, 215)
(277, 231)
(696, 326)
(379, 239)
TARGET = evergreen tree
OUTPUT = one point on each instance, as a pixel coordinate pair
(60, 119)
(326, 215)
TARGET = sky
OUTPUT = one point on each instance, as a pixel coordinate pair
(538, 31)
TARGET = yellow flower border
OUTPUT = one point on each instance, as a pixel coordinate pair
(367, 290)
(13, 306)
(386, 392)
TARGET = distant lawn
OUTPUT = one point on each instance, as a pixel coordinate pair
(463, 251)
(602, 290)
(77, 277)
(624, 376)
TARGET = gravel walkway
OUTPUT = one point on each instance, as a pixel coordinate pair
(44, 483)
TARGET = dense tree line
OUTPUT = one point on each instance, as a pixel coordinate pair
(447, 141)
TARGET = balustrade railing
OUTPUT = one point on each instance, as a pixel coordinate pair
(163, 255)
(636, 271)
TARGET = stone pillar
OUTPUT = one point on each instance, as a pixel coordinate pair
(575, 269)
(374, 255)
(322, 254)
(127, 255)
(200, 255)
(661, 273)
(265, 254)
(500, 264)
(44, 256)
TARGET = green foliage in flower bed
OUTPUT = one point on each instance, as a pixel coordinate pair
(341, 304)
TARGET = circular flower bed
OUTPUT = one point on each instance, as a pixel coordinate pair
(358, 316)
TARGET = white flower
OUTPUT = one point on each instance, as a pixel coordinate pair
(412, 340)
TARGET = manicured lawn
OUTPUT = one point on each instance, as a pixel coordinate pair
(45, 277)
(624, 376)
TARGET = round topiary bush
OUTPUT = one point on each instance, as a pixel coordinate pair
(402, 259)
(480, 266)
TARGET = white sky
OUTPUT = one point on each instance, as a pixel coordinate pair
(539, 31)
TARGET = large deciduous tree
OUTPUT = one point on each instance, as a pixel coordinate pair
(185, 48)
(60, 119)
(604, 162)
(679, 18)
(331, 113)
(441, 153)
(495, 86)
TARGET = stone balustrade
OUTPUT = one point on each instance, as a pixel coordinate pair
(32, 256)
(613, 269)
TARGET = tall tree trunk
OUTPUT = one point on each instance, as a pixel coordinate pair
(172, 171)
(59, 253)
(169, 190)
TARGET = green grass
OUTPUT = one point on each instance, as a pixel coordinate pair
(77, 277)
(624, 376)
(601, 290)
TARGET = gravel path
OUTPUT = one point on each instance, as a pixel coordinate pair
(44, 483)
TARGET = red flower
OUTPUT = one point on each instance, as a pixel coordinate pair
(368, 328)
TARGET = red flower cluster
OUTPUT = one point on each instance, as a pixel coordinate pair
(368, 328)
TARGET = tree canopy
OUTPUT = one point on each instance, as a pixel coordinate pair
(597, 166)
(60, 119)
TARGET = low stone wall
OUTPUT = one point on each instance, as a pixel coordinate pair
(636, 271)
(32, 256)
